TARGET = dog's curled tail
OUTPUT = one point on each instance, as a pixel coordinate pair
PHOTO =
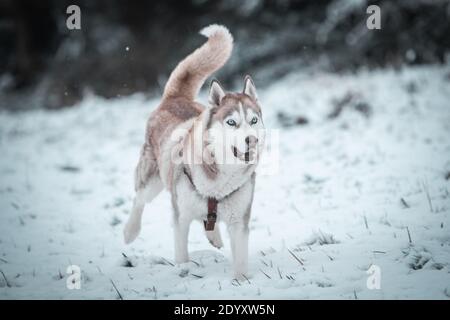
(190, 74)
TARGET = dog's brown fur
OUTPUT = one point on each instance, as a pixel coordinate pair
(178, 103)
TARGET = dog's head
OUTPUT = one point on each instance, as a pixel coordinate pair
(236, 128)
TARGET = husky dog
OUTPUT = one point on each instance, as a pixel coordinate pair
(204, 156)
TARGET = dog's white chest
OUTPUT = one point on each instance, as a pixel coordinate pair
(189, 202)
(233, 207)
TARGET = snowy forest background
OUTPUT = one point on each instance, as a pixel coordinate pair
(364, 120)
(50, 66)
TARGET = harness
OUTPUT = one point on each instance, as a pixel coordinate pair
(211, 217)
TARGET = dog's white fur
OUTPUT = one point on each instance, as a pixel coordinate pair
(202, 128)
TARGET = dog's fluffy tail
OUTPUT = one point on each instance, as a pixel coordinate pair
(190, 74)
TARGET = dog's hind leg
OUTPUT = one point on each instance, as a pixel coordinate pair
(143, 196)
(148, 185)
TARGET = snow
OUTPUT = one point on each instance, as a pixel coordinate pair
(351, 192)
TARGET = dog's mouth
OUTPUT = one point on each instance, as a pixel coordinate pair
(247, 156)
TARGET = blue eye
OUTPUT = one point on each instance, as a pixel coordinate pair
(254, 120)
(231, 122)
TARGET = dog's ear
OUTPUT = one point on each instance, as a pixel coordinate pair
(216, 93)
(249, 88)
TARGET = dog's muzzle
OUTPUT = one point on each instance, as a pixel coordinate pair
(247, 156)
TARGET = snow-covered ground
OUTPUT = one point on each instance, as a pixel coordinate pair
(366, 188)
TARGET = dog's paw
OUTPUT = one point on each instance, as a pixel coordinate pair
(240, 276)
(217, 243)
(240, 270)
(214, 238)
(130, 232)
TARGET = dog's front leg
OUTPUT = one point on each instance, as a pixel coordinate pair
(181, 232)
(239, 246)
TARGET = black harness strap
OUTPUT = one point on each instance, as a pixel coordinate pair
(211, 218)
(212, 214)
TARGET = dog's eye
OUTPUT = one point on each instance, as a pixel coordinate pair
(231, 122)
(254, 120)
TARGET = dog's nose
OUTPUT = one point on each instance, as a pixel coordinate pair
(251, 140)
